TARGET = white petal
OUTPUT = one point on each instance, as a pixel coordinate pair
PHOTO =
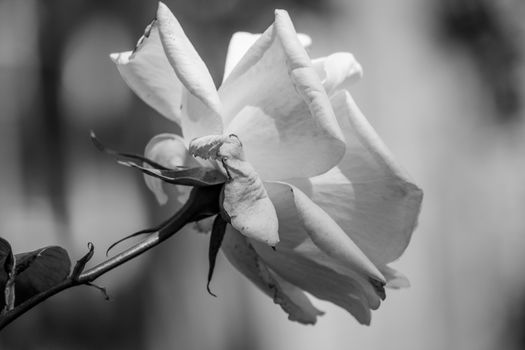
(247, 204)
(300, 218)
(168, 150)
(337, 71)
(301, 262)
(368, 194)
(305, 39)
(243, 257)
(275, 102)
(204, 110)
(318, 280)
(241, 42)
(394, 278)
(244, 198)
(294, 301)
(148, 73)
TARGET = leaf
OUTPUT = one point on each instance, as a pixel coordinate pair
(6, 259)
(198, 177)
(7, 276)
(217, 234)
(40, 270)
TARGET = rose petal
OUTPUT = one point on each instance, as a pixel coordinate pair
(310, 221)
(295, 302)
(318, 280)
(275, 103)
(204, 110)
(249, 209)
(168, 150)
(337, 70)
(241, 42)
(296, 239)
(367, 194)
(243, 257)
(148, 73)
(244, 198)
(394, 278)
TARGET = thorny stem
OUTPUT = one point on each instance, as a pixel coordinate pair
(203, 202)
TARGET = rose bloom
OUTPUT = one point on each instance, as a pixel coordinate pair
(315, 201)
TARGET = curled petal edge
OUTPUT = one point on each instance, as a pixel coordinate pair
(292, 300)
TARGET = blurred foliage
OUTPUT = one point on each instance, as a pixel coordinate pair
(492, 41)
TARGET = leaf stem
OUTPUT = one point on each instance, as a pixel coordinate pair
(203, 202)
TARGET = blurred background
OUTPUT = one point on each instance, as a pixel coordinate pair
(443, 86)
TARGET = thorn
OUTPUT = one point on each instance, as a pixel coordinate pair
(209, 291)
(273, 248)
(101, 289)
(81, 263)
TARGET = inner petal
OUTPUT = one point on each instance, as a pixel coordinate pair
(275, 102)
(167, 150)
(245, 202)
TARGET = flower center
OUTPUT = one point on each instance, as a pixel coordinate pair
(224, 148)
(245, 203)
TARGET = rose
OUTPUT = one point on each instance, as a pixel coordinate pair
(306, 171)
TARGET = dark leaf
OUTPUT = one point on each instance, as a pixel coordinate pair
(197, 177)
(6, 260)
(217, 234)
(7, 276)
(40, 270)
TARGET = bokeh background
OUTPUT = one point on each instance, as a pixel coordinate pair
(443, 86)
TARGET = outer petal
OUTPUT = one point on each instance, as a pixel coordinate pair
(148, 73)
(337, 70)
(275, 102)
(247, 204)
(204, 110)
(301, 262)
(368, 194)
(167, 150)
(395, 279)
(312, 222)
(242, 255)
(244, 198)
(242, 41)
(167, 73)
(319, 280)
